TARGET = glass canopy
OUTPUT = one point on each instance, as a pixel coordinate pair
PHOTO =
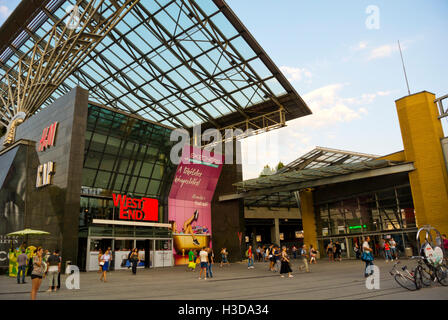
(175, 62)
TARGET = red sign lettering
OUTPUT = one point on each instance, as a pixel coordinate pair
(48, 135)
(144, 209)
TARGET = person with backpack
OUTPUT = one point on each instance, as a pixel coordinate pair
(54, 267)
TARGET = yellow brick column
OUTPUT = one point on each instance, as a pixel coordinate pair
(421, 132)
(308, 218)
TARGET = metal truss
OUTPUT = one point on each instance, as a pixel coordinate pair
(41, 70)
(175, 62)
(443, 111)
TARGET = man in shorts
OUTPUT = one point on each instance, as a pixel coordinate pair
(203, 256)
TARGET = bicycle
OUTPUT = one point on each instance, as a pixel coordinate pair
(405, 278)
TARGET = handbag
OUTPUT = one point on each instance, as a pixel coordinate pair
(366, 256)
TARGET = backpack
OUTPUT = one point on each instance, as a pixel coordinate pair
(247, 253)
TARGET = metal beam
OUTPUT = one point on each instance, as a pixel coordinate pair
(405, 167)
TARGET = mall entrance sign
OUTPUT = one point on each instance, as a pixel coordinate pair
(144, 209)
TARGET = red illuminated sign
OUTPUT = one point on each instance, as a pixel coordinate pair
(48, 135)
(144, 209)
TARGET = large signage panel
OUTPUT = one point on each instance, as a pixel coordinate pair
(144, 209)
(189, 201)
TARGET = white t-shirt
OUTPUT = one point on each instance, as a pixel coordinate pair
(204, 256)
(392, 244)
(105, 257)
(365, 245)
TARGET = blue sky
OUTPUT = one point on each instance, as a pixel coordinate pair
(349, 75)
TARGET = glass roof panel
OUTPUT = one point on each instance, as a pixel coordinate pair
(161, 59)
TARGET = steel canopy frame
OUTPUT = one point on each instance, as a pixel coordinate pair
(179, 63)
(37, 73)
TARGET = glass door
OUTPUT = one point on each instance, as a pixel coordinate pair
(145, 248)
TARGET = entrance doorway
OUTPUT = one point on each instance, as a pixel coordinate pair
(145, 248)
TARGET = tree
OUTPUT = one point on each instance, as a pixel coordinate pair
(267, 171)
(280, 165)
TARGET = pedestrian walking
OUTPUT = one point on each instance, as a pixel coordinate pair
(337, 251)
(271, 257)
(39, 268)
(285, 264)
(105, 261)
(250, 258)
(313, 254)
(22, 261)
(211, 257)
(58, 254)
(387, 253)
(134, 260)
(393, 249)
(357, 251)
(100, 265)
(54, 267)
(330, 251)
(367, 256)
(304, 256)
(192, 260)
(277, 259)
(203, 256)
(294, 251)
(258, 251)
(224, 257)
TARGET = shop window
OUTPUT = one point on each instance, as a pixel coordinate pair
(107, 162)
(92, 160)
(141, 186)
(88, 176)
(154, 187)
(102, 179)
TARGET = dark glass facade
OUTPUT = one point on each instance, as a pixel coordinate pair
(382, 213)
(123, 155)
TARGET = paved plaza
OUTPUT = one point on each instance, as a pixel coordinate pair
(328, 281)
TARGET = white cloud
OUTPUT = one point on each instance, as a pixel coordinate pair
(4, 12)
(359, 46)
(296, 74)
(301, 135)
(383, 51)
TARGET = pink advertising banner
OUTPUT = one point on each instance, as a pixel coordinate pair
(189, 201)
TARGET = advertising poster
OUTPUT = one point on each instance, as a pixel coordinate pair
(189, 201)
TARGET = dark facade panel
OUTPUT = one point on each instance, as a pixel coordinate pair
(349, 189)
(55, 207)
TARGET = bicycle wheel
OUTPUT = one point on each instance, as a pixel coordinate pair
(418, 277)
(442, 275)
(426, 277)
(406, 282)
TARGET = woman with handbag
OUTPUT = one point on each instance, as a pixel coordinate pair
(367, 257)
(285, 267)
(105, 259)
(134, 260)
(39, 268)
